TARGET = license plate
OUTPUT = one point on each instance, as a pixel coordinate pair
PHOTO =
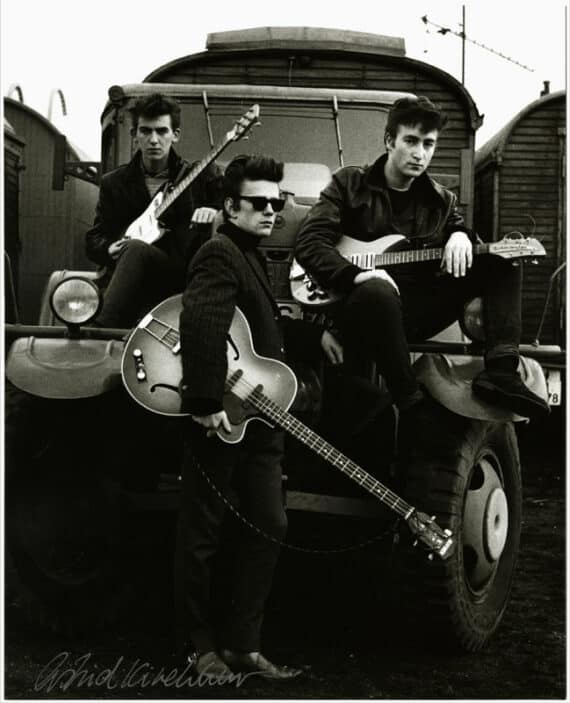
(554, 386)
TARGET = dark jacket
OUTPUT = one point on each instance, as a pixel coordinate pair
(229, 270)
(356, 203)
(123, 196)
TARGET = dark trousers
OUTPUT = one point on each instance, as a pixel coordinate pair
(144, 276)
(377, 323)
(253, 469)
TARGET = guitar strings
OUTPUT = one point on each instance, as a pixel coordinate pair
(276, 413)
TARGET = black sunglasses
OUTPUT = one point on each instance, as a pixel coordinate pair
(259, 202)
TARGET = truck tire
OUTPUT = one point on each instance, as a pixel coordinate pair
(467, 473)
(63, 525)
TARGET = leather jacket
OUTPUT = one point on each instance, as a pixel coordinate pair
(356, 203)
(123, 196)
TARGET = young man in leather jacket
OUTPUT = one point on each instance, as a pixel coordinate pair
(383, 310)
(144, 274)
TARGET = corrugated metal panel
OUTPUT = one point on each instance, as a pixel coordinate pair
(344, 70)
(51, 228)
(530, 200)
(11, 207)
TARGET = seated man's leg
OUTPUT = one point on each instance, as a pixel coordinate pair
(144, 276)
(500, 283)
(372, 327)
(430, 306)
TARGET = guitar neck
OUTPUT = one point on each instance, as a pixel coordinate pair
(311, 439)
(194, 172)
(413, 256)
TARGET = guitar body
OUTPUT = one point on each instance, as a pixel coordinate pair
(161, 365)
(147, 227)
(152, 369)
(276, 379)
(307, 292)
(353, 249)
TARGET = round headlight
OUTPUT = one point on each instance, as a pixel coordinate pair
(472, 322)
(76, 301)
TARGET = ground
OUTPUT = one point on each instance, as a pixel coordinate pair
(325, 612)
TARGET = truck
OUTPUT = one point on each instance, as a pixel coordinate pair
(95, 459)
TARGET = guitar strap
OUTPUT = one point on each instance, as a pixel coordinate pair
(390, 531)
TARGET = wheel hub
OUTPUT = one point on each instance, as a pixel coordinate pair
(485, 525)
(496, 524)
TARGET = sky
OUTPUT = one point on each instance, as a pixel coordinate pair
(82, 47)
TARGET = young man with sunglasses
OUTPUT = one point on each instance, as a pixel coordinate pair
(229, 271)
(382, 310)
(144, 274)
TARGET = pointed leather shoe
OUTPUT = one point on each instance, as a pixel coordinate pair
(211, 666)
(509, 391)
(255, 662)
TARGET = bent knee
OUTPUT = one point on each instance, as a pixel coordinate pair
(376, 293)
(136, 247)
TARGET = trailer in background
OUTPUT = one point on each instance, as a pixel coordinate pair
(520, 184)
(14, 147)
(54, 211)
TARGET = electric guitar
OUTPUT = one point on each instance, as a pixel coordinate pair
(391, 250)
(257, 388)
(147, 226)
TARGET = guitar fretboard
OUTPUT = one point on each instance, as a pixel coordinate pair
(320, 446)
(413, 256)
(194, 172)
(239, 130)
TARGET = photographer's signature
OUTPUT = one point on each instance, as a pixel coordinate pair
(64, 671)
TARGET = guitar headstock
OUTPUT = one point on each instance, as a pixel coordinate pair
(517, 248)
(244, 124)
(427, 531)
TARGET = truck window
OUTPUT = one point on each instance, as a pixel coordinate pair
(291, 131)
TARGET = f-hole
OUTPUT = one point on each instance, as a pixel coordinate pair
(233, 346)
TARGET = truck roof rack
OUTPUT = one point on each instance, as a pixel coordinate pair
(305, 38)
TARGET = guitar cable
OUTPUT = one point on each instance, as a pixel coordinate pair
(390, 530)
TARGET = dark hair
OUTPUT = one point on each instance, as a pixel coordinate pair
(414, 111)
(155, 105)
(253, 167)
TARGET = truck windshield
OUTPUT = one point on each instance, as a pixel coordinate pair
(302, 132)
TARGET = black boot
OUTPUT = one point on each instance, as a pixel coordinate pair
(507, 389)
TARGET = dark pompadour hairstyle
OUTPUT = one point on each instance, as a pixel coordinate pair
(155, 105)
(253, 167)
(414, 111)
